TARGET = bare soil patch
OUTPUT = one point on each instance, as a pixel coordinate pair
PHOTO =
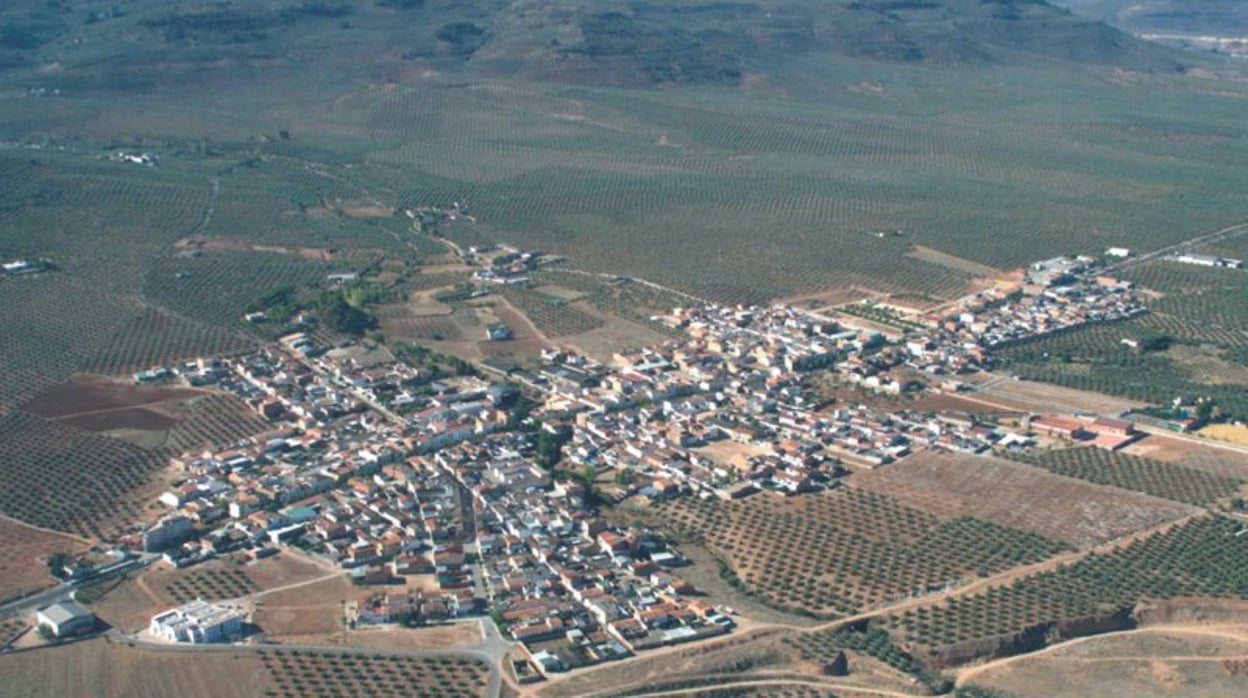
(617, 334)
(1171, 661)
(87, 394)
(98, 668)
(23, 557)
(931, 256)
(1048, 399)
(1018, 496)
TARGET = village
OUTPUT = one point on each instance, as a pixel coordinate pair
(489, 487)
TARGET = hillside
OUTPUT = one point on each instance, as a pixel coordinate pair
(1201, 17)
(637, 43)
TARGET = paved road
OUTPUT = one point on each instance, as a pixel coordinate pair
(62, 591)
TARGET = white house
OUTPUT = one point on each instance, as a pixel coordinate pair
(65, 619)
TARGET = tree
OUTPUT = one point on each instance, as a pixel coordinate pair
(341, 316)
(57, 562)
(45, 632)
(550, 446)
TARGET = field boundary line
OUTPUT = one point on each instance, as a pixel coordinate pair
(52, 531)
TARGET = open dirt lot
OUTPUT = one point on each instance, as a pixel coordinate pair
(1161, 661)
(23, 552)
(1019, 496)
(312, 609)
(617, 334)
(449, 636)
(1233, 433)
(1010, 394)
(96, 669)
(86, 395)
(1210, 459)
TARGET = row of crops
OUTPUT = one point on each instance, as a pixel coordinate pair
(213, 420)
(301, 673)
(1200, 557)
(848, 550)
(211, 585)
(1135, 473)
(552, 316)
(70, 480)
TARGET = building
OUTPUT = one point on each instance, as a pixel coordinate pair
(65, 619)
(167, 533)
(197, 622)
(1062, 427)
(1118, 252)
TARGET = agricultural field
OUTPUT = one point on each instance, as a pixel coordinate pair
(1010, 494)
(70, 480)
(298, 673)
(849, 550)
(211, 585)
(1197, 310)
(1137, 474)
(23, 555)
(218, 420)
(1197, 558)
(823, 647)
(552, 316)
(100, 668)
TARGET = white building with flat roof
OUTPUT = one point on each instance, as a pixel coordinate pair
(197, 622)
(65, 618)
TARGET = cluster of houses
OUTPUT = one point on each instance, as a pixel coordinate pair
(572, 587)
(389, 471)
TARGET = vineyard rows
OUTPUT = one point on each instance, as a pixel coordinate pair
(216, 420)
(1202, 557)
(552, 317)
(69, 480)
(298, 673)
(845, 551)
(211, 585)
(154, 338)
(1128, 472)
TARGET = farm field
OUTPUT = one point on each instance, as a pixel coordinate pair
(1199, 557)
(848, 550)
(70, 480)
(1151, 662)
(1018, 496)
(99, 668)
(299, 673)
(1031, 396)
(23, 554)
(1217, 461)
(1156, 478)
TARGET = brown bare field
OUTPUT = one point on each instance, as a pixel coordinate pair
(23, 554)
(616, 334)
(309, 610)
(1210, 459)
(931, 256)
(1019, 496)
(233, 245)
(1232, 433)
(94, 394)
(96, 668)
(1049, 399)
(449, 636)
(1161, 661)
(733, 453)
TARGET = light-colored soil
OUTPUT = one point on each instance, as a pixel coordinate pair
(23, 554)
(311, 609)
(931, 256)
(1234, 433)
(1192, 454)
(1011, 494)
(1158, 661)
(733, 453)
(615, 335)
(97, 669)
(567, 294)
(449, 636)
(1045, 398)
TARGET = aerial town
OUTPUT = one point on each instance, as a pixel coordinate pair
(385, 470)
